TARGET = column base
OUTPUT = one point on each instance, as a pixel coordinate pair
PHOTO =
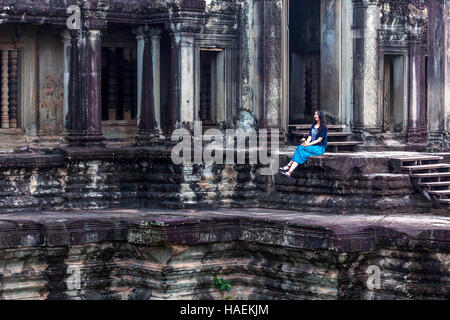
(85, 140)
(368, 134)
(415, 136)
(149, 138)
(438, 141)
(282, 137)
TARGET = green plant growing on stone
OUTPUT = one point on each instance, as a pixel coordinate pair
(223, 286)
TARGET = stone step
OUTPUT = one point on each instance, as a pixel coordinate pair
(418, 158)
(444, 201)
(435, 184)
(439, 192)
(330, 134)
(308, 126)
(426, 167)
(344, 143)
(431, 175)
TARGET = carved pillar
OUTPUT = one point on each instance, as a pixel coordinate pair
(85, 127)
(134, 85)
(330, 57)
(112, 83)
(424, 97)
(416, 89)
(272, 63)
(156, 58)
(187, 20)
(438, 75)
(270, 117)
(5, 90)
(175, 81)
(182, 80)
(148, 129)
(13, 58)
(366, 19)
(127, 73)
(67, 53)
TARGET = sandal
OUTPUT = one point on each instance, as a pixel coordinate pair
(284, 168)
(286, 174)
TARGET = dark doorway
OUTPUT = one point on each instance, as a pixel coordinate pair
(207, 75)
(119, 83)
(393, 93)
(304, 60)
(211, 90)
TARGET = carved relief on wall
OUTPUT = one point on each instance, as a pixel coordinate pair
(402, 7)
(402, 20)
(51, 105)
(272, 62)
(397, 12)
(418, 23)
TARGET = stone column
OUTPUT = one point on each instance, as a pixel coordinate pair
(156, 33)
(148, 129)
(67, 50)
(182, 80)
(330, 57)
(85, 126)
(13, 95)
(272, 68)
(366, 22)
(416, 89)
(438, 75)
(127, 73)
(174, 81)
(272, 63)
(5, 90)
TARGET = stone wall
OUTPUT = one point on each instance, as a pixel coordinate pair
(146, 177)
(150, 241)
(266, 254)
(31, 181)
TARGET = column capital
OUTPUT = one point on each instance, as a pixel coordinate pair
(366, 3)
(94, 24)
(193, 25)
(148, 32)
(155, 32)
(183, 39)
(191, 5)
(139, 32)
(65, 36)
(93, 34)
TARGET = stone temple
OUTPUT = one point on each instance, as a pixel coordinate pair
(92, 93)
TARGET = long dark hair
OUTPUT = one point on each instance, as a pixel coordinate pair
(323, 121)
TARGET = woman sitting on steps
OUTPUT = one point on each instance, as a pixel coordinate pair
(315, 145)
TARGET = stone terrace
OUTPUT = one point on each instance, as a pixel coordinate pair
(267, 254)
(132, 225)
(96, 178)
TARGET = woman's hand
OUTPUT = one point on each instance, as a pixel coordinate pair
(303, 142)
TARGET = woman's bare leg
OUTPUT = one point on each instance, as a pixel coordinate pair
(293, 166)
(287, 167)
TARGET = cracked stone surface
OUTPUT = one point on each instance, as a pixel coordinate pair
(267, 254)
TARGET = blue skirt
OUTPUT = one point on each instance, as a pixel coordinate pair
(302, 154)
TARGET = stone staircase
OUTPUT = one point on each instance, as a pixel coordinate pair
(429, 175)
(338, 139)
